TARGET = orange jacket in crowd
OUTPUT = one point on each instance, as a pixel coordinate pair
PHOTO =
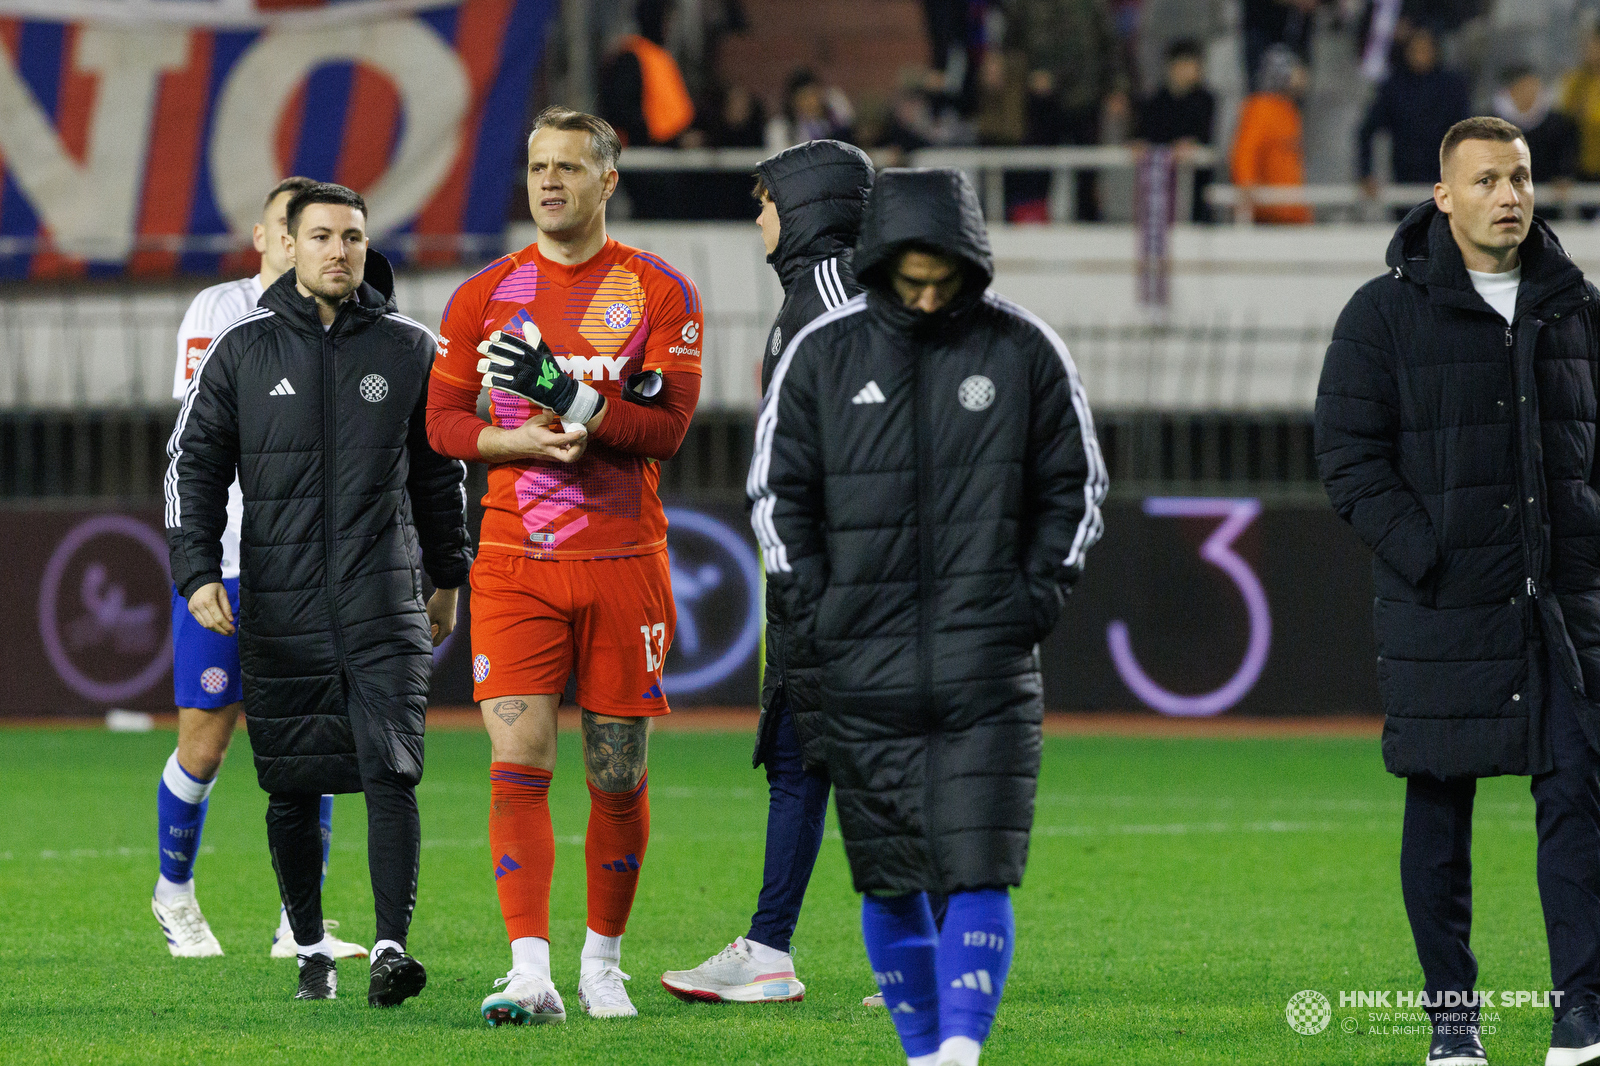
(667, 108)
(1267, 151)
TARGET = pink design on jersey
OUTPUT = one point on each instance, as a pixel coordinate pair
(576, 525)
(519, 286)
(636, 342)
(508, 409)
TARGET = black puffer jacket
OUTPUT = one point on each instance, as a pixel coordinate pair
(925, 488)
(1463, 452)
(820, 190)
(341, 492)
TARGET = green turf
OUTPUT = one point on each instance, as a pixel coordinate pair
(1178, 893)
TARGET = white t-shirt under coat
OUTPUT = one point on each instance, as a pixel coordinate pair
(1499, 291)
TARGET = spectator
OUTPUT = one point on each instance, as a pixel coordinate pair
(1552, 137)
(916, 119)
(1267, 148)
(812, 111)
(1580, 100)
(1417, 105)
(642, 93)
(739, 120)
(1182, 113)
(1074, 79)
(735, 118)
(1276, 22)
(1002, 106)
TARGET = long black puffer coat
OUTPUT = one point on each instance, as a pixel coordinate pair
(820, 190)
(1462, 450)
(925, 489)
(341, 495)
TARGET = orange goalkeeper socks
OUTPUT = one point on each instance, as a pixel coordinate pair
(613, 851)
(523, 845)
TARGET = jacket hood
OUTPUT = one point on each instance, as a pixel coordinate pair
(374, 298)
(820, 189)
(1424, 251)
(931, 208)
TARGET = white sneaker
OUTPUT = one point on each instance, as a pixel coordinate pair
(283, 945)
(874, 1000)
(188, 935)
(732, 975)
(525, 1000)
(603, 996)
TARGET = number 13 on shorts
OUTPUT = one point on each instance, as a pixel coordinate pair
(655, 645)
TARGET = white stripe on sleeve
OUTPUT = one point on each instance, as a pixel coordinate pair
(774, 554)
(1098, 480)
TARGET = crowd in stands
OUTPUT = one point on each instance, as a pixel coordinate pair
(1088, 72)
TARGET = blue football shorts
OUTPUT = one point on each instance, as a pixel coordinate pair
(205, 665)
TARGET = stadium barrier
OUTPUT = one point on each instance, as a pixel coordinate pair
(1191, 607)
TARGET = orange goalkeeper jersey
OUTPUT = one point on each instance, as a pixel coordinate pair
(618, 313)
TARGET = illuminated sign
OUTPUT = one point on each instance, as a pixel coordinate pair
(716, 584)
(1236, 515)
(109, 637)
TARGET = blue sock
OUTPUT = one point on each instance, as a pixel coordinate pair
(325, 816)
(974, 958)
(181, 801)
(902, 945)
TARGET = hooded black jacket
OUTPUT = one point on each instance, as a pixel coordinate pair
(341, 496)
(820, 190)
(1462, 451)
(925, 489)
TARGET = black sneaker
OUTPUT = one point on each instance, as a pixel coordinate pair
(1455, 1040)
(396, 977)
(318, 979)
(1575, 1039)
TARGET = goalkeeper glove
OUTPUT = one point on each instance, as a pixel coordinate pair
(527, 368)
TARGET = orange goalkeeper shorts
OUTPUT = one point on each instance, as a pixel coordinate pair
(536, 621)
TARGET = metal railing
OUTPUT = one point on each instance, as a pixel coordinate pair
(988, 166)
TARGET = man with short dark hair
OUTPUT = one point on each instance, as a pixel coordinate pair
(926, 483)
(206, 679)
(319, 398)
(812, 197)
(1456, 433)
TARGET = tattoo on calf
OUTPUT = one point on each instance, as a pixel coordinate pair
(508, 711)
(614, 752)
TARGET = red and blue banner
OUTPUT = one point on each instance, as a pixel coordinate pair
(141, 136)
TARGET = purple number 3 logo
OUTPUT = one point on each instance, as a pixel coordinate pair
(1236, 514)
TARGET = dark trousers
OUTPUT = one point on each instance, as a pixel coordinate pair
(797, 805)
(394, 844)
(1436, 863)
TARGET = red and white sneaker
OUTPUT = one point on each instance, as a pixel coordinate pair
(732, 975)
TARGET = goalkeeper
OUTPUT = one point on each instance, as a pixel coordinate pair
(571, 575)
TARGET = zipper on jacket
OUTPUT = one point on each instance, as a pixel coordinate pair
(1531, 526)
(330, 528)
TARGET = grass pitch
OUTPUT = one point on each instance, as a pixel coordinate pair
(1178, 894)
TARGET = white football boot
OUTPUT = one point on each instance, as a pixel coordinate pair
(525, 1000)
(283, 945)
(874, 1000)
(732, 975)
(188, 934)
(603, 996)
